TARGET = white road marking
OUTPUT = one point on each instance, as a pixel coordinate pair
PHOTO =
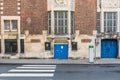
(38, 67)
(33, 71)
(15, 70)
(26, 75)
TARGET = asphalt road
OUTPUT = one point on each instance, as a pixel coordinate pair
(60, 72)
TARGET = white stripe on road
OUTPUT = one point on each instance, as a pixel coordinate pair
(15, 70)
(40, 65)
(26, 75)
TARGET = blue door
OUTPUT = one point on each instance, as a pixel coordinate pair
(109, 48)
(61, 51)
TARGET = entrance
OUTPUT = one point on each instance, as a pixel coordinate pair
(11, 46)
(109, 48)
(60, 51)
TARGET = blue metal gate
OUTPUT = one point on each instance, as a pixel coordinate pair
(60, 51)
(109, 48)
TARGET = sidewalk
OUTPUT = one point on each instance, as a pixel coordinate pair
(56, 61)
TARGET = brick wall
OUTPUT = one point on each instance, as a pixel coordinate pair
(10, 7)
(33, 16)
(85, 16)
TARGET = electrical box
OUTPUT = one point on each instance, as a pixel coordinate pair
(47, 46)
(74, 45)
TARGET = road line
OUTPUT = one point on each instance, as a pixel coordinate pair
(38, 67)
(15, 70)
(26, 75)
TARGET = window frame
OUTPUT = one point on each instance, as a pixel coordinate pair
(49, 23)
(72, 23)
(98, 22)
(62, 18)
(3, 18)
(110, 18)
(11, 26)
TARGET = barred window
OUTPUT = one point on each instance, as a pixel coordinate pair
(49, 22)
(110, 22)
(98, 22)
(61, 23)
(72, 23)
(61, 19)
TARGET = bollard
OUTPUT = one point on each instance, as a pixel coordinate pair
(91, 53)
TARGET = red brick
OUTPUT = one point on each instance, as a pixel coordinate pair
(85, 16)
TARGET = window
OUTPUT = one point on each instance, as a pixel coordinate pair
(7, 24)
(110, 22)
(98, 22)
(61, 22)
(49, 22)
(10, 25)
(72, 23)
(14, 24)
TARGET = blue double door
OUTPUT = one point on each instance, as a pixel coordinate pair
(109, 48)
(60, 51)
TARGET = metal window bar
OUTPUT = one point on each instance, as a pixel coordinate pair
(98, 22)
(60, 22)
(110, 22)
(49, 22)
(72, 23)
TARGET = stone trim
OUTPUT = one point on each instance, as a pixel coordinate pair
(3, 33)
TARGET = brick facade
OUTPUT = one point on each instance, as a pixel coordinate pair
(33, 16)
(10, 7)
(85, 16)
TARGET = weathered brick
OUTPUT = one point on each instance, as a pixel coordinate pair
(33, 16)
(10, 7)
(85, 16)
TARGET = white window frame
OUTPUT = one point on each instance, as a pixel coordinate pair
(98, 19)
(49, 23)
(10, 18)
(4, 25)
(65, 23)
(58, 25)
(12, 25)
(112, 27)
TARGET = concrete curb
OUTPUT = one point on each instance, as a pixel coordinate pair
(53, 61)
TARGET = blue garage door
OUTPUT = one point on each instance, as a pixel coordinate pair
(109, 48)
(61, 51)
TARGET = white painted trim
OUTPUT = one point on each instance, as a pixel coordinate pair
(10, 17)
(2, 30)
